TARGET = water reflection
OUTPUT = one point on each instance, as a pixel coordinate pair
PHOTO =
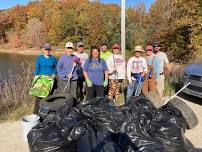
(13, 63)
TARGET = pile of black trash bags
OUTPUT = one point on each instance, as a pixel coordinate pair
(100, 126)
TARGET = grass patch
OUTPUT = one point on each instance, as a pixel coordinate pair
(169, 90)
(18, 112)
(15, 100)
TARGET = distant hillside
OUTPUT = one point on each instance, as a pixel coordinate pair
(176, 24)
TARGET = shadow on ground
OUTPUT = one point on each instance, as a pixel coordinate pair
(192, 148)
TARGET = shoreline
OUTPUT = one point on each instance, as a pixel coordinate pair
(27, 51)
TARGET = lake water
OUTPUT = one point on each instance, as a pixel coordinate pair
(12, 62)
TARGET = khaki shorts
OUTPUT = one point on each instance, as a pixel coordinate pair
(161, 85)
(149, 85)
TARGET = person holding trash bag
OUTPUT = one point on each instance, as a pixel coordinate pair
(45, 68)
(136, 70)
(116, 65)
(162, 63)
(96, 74)
(150, 83)
(66, 69)
(81, 80)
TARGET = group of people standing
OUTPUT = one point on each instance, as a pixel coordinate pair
(147, 73)
(102, 72)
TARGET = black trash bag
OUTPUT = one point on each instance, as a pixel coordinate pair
(105, 117)
(106, 143)
(169, 127)
(99, 126)
(93, 101)
(66, 120)
(70, 124)
(46, 138)
(124, 142)
(143, 109)
(93, 141)
(53, 135)
(140, 137)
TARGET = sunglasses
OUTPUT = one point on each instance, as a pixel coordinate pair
(156, 46)
(47, 49)
(69, 48)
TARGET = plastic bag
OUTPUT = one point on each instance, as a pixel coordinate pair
(168, 127)
(55, 135)
(105, 116)
(46, 137)
(99, 126)
(41, 86)
(139, 115)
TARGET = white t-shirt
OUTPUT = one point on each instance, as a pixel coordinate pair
(116, 61)
(136, 65)
(82, 56)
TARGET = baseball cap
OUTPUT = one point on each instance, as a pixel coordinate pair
(46, 46)
(69, 45)
(80, 44)
(116, 46)
(104, 43)
(157, 44)
(149, 47)
(138, 49)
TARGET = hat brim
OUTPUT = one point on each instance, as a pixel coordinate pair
(47, 49)
(138, 50)
(69, 47)
(116, 48)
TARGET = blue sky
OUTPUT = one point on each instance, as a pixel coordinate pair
(10, 3)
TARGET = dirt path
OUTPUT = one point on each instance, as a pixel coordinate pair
(11, 138)
(12, 141)
(195, 135)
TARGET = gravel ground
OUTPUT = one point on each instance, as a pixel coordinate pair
(12, 140)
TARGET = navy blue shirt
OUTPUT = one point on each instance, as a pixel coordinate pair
(46, 66)
(95, 70)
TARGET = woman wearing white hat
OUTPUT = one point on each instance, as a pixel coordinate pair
(136, 70)
(66, 69)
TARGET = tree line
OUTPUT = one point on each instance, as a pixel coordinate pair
(177, 24)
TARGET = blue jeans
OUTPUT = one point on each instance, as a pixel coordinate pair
(135, 89)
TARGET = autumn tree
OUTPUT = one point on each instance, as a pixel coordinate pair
(177, 25)
(174, 23)
(19, 15)
(5, 24)
(136, 26)
(34, 33)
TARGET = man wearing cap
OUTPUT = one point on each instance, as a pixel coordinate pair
(83, 57)
(45, 65)
(150, 83)
(136, 70)
(104, 54)
(161, 64)
(116, 65)
(66, 69)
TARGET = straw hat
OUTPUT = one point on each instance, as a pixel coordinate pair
(138, 49)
